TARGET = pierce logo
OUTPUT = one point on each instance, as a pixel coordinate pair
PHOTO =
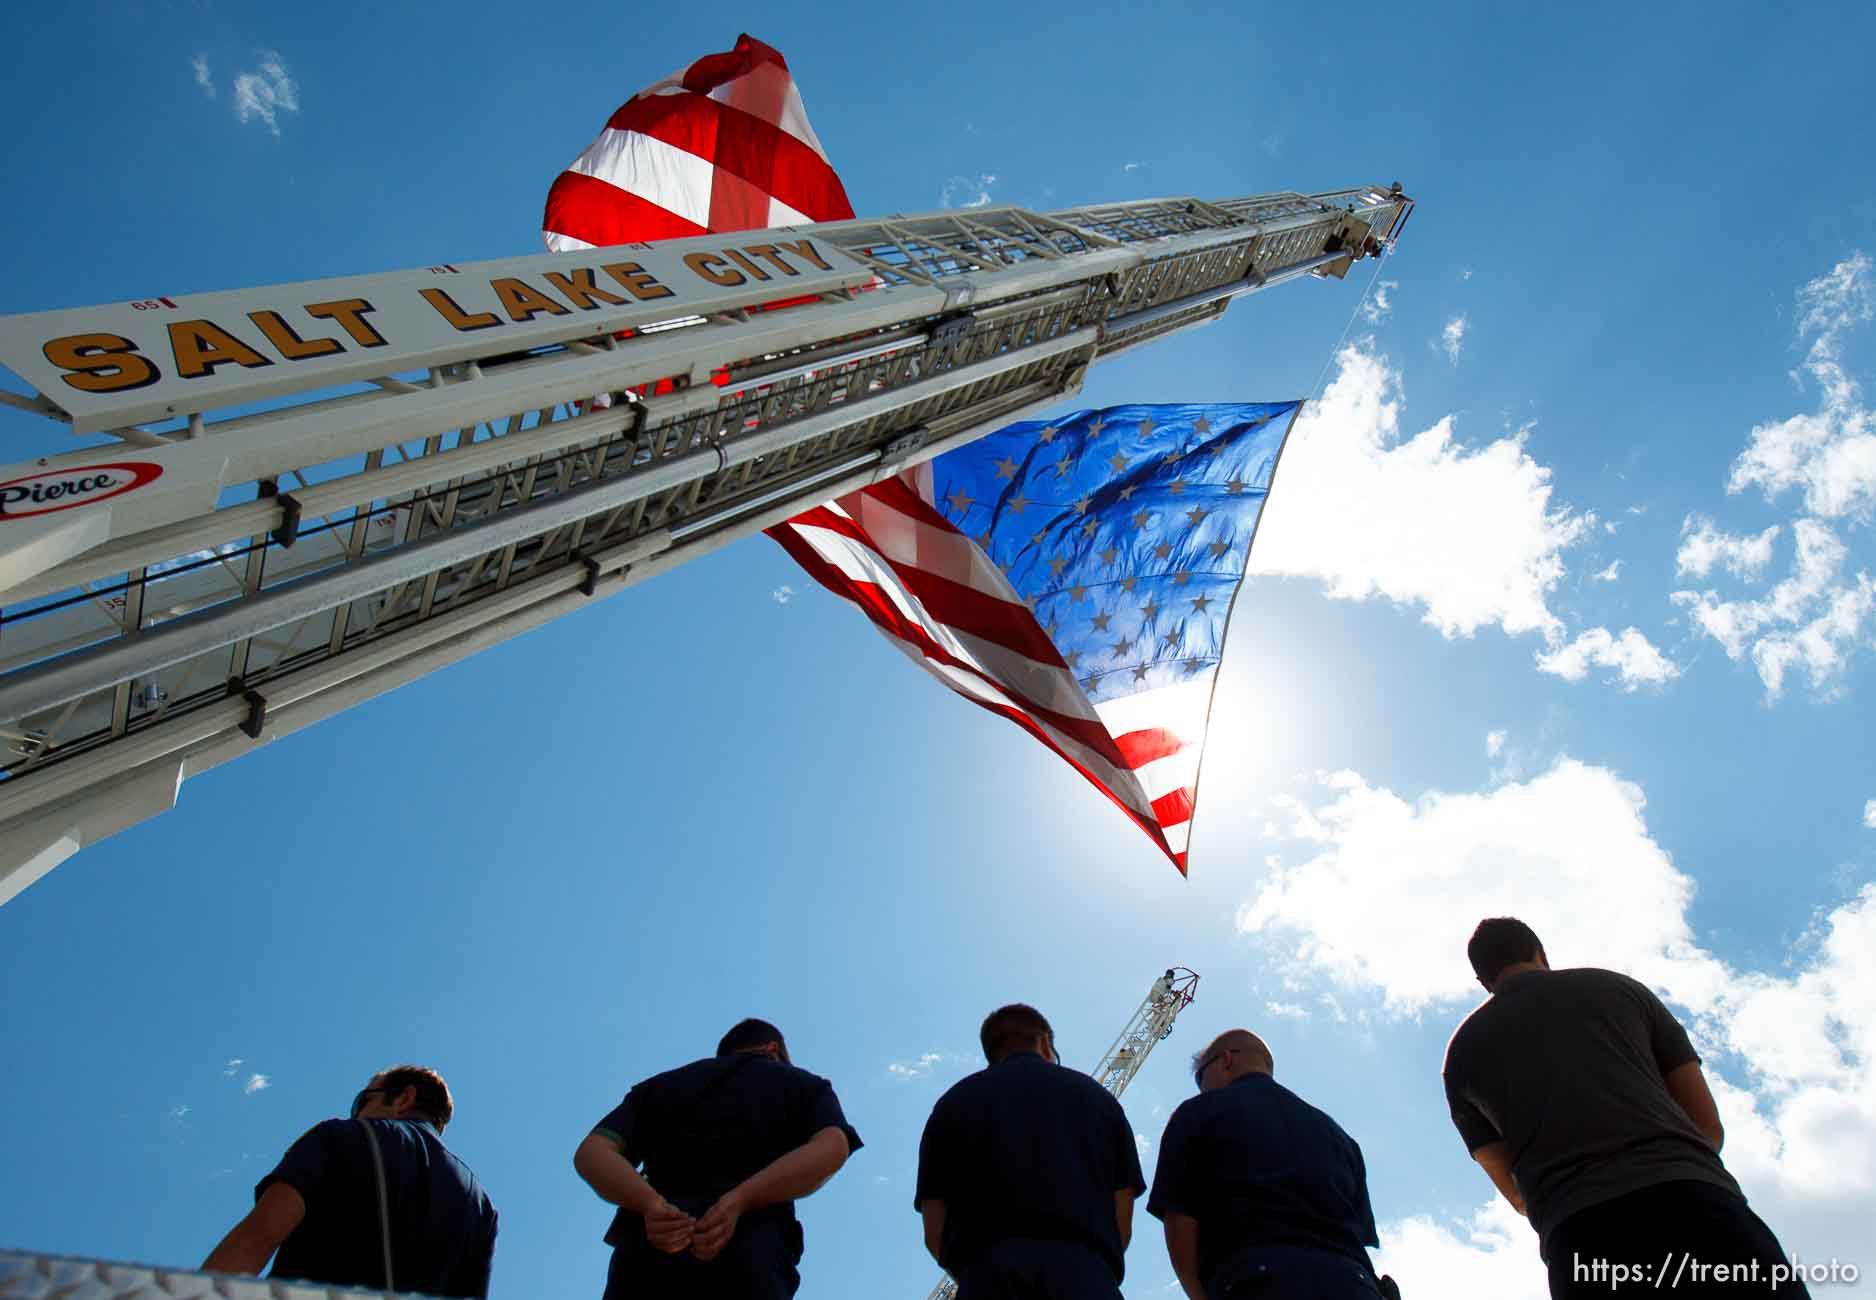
(67, 489)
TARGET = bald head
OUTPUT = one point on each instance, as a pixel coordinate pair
(1232, 1055)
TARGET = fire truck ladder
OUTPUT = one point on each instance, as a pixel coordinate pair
(307, 543)
(1151, 1023)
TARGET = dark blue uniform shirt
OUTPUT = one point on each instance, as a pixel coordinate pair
(1261, 1169)
(442, 1223)
(698, 1131)
(1026, 1151)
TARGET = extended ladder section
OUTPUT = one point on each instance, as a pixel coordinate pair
(309, 494)
(1151, 1023)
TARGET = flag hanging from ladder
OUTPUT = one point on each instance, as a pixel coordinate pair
(1074, 576)
(721, 145)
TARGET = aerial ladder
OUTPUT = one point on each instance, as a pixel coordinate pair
(1151, 1023)
(298, 497)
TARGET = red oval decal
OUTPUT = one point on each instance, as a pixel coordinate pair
(66, 489)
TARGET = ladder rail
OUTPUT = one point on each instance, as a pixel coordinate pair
(341, 526)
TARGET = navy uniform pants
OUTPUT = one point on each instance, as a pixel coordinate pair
(758, 1264)
(1037, 1270)
(1668, 1237)
(1282, 1272)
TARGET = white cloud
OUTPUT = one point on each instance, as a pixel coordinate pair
(1703, 545)
(1142, 1143)
(1465, 273)
(783, 594)
(1453, 337)
(1633, 657)
(923, 1066)
(1494, 743)
(1811, 619)
(256, 1083)
(1610, 574)
(232, 1068)
(1491, 1254)
(1130, 167)
(967, 191)
(264, 93)
(199, 66)
(178, 1113)
(1286, 1010)
(1272, 144)
(1468, 533)
(1394, 888)
(1869, 814)
(1831, 452)
(1385, 901)
(1814, 619)
(1377, 306)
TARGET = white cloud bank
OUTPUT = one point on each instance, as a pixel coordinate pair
(1453, 337)
(967, 191)
(262, 94)
(1470, 534)
(1635, 662)
(1379, 304)
(1830, 453)
(199, 67)
(1869, 814)
(1814, 619)
(927, 1064)
(1386, 901)
(1703, 546)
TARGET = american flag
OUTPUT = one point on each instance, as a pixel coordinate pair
(1074, 576)
(721, 145)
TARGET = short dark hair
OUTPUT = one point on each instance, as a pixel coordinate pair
(1007, 1027)
(433, 1099)
(1498, 942)
(746, 1035)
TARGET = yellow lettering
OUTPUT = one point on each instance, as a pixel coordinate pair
(702, 264)
(577, 288)
(100, 363)
(522, 301)
(768, 254)
(747, 265)
(805, 247)
(289, 344)
(636, 280)
(446, 308)
(201, 345)
(350, 314)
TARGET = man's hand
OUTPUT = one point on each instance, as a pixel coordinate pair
(1495, 1159)
(718, 1225)
(668, 1228)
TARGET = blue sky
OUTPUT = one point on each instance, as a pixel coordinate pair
(1627, 333)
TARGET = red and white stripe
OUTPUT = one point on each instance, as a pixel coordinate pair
(722, 145)
(936, 595)
(725, 145)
